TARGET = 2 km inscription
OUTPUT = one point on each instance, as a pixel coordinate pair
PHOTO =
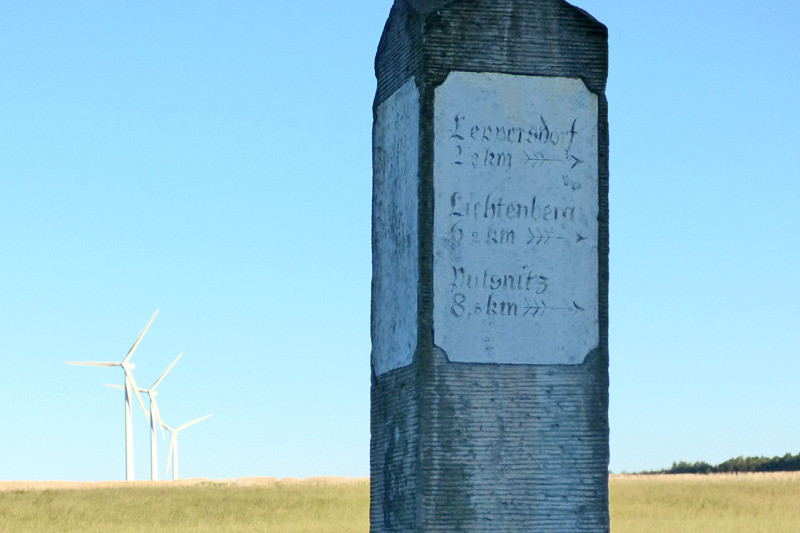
(515, 219)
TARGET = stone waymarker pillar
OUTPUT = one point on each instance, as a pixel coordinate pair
(490, 269)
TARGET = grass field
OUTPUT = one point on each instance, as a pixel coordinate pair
(325, 505)
(749, 503)
(721, 503)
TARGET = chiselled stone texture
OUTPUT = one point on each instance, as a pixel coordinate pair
(426, 6)
(394, 483)
(490, 447)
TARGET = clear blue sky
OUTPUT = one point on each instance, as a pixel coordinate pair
(213, 161)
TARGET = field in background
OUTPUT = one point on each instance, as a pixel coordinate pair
(689, 503)
(335, 505)
(714, 503)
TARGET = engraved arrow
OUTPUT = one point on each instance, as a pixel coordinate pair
(538, 159)
(576, 161)
(540, 307)
(543, 237)
(540, 237)
(533, 309)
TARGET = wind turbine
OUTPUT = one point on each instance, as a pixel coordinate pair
(173, 445)
(130, 385)
(155, 418)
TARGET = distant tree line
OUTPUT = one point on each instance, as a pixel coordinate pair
(787, 463)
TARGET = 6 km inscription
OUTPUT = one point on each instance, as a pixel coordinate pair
(515, 219)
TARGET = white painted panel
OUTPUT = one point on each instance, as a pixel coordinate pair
(395, 223)
(515, 219)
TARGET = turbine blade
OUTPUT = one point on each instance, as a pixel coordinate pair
(165, 372)
(138, 339)
(186, 425)
(154, 412)
(120, 387)
(129, 375)
(157, 416)
(171, 450)
(91, 363)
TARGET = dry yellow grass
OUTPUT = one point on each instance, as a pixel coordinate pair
(191, 482)
(745, 503)
(334, 505)
(717, 503)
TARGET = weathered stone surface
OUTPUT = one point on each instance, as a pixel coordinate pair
(394, 224)
(426, 6)
(484, 445)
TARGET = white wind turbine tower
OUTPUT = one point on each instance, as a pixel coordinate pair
(155, 418)
(130, 385)
(173, 445)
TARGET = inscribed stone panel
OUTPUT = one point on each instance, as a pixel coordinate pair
(515, 219)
